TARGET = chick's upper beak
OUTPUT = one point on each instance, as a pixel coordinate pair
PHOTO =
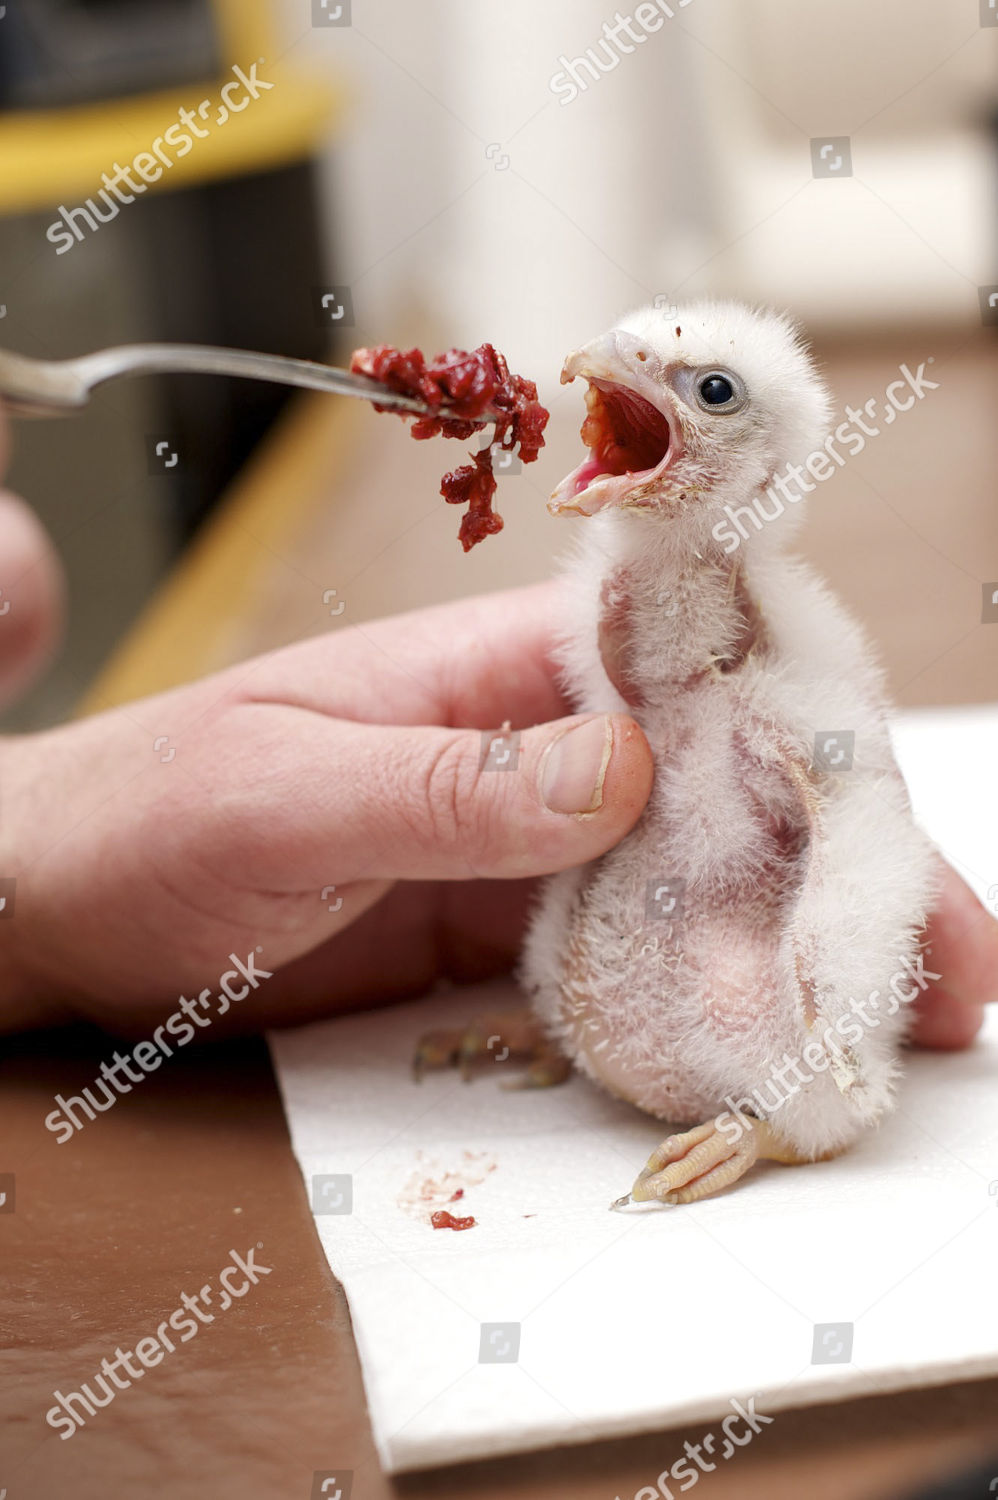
(613, 356)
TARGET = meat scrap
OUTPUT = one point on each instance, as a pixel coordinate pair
(477, 388)
(444, 1220)
(433, 1186)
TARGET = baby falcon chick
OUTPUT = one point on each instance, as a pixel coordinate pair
(740, 962)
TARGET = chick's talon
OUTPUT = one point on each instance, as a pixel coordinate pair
(702, 1161)
(547, 1068)
(690, 1166)
(435, 1049)
(511, 1036)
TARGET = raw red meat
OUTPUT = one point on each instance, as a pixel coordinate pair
(477, 388)
(444, 1220)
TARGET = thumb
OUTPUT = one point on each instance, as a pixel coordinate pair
(444, 804)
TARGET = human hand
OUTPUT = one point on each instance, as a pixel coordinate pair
(151, 842)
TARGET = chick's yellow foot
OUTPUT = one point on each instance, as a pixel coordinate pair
(508, 1037)
(687, 1167)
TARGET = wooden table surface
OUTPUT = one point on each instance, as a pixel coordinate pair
(109, 1230)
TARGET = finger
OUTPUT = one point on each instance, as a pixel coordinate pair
(944, 1023)
(366, 802)
(418, 933)
(962, 942)
(31, 597)
(477, 661)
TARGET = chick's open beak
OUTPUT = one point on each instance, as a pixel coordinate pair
(630, 437)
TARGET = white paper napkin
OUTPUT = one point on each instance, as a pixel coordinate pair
(553, 1320)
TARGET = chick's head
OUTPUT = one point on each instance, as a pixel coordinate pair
(690, 411)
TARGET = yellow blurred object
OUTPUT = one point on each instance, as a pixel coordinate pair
(245, 26)
(59, 155)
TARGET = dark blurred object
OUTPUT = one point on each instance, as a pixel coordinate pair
(230, 260)
(970, 1484)
(226, 249)
(61, 52)
(230, 263)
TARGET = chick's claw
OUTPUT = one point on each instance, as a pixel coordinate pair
(513, 1036)
(435, 1049)
(547, 1067)
(687, 1167)
(702, 1161)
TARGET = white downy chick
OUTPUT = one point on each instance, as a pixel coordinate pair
(716, 968)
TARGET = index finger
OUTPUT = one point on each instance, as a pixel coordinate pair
(962, 947)
(962, 937)
(471, 663)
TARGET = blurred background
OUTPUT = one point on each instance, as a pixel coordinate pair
(455, 172)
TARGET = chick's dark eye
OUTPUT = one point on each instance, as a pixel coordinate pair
(716, 391)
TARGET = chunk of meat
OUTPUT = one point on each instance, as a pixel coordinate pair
(476, 388)
(444, 1220)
